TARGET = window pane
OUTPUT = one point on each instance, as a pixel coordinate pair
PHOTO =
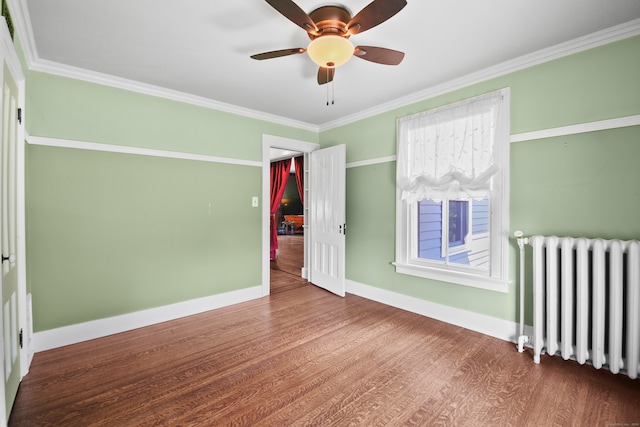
(480, 218)
(454, 232)
(458, 222)
(479, 240)
(430, 230)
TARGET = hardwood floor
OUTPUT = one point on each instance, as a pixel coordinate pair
(286, 268)
(307, 357)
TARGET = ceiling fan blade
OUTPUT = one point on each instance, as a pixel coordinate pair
(380, 55)
(278, 53)
(373, 14)
(295, 14)
(325, 75)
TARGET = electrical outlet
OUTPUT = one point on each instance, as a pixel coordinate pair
(254, 202)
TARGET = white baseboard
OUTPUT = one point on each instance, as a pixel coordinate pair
(72, 334)
(503, 329)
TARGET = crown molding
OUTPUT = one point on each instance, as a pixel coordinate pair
(55, 68)
(22, 22)
(8, 53)
(22, 26)
(600, 38)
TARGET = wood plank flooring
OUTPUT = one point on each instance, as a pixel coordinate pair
(286, 268)
(306, 357)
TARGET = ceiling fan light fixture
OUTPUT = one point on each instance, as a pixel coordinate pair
(330, 51)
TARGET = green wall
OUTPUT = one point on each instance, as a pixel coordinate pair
(64, 108)
(110, 233)
(115, 233)
(581, 185)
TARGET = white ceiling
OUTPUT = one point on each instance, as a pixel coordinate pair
(202, 48)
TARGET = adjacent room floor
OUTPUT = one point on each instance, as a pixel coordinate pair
(286, 269)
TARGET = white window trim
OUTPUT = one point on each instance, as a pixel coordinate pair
(444, 232)
(497, 279)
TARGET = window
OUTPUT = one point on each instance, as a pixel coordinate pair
(452, 199)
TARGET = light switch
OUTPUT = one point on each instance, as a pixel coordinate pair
(254, 202)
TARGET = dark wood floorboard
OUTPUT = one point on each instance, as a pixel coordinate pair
(286, 269)
(306, 357)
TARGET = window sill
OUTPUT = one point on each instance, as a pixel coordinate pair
(457, 277)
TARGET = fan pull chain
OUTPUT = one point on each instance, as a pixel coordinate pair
(327, 71)
(332, 90)
(327, 86)
(332, 94)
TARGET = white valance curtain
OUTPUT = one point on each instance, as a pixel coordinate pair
(448, 152)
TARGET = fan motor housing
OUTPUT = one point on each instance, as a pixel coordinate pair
(330, 20)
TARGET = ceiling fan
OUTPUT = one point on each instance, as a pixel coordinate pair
(330, 27)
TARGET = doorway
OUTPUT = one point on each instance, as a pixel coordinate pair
(286, 267)
(293, 245)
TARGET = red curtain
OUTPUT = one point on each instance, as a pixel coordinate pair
(279, 176)
(299, 164)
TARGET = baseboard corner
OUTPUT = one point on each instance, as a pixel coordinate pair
(72, 334)
(498, 328)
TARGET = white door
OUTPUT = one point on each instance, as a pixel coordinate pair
(11, 336)
(327, 218)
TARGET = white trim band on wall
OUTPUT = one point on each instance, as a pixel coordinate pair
(93, 146)
(619, 122)
(616, 123)
(599, 125)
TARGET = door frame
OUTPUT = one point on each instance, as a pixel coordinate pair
(268, 142)
(9, 56)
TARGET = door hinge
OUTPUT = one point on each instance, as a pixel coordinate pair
(20, 115)
(20, 337)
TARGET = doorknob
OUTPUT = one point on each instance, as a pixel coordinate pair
(10, 258)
